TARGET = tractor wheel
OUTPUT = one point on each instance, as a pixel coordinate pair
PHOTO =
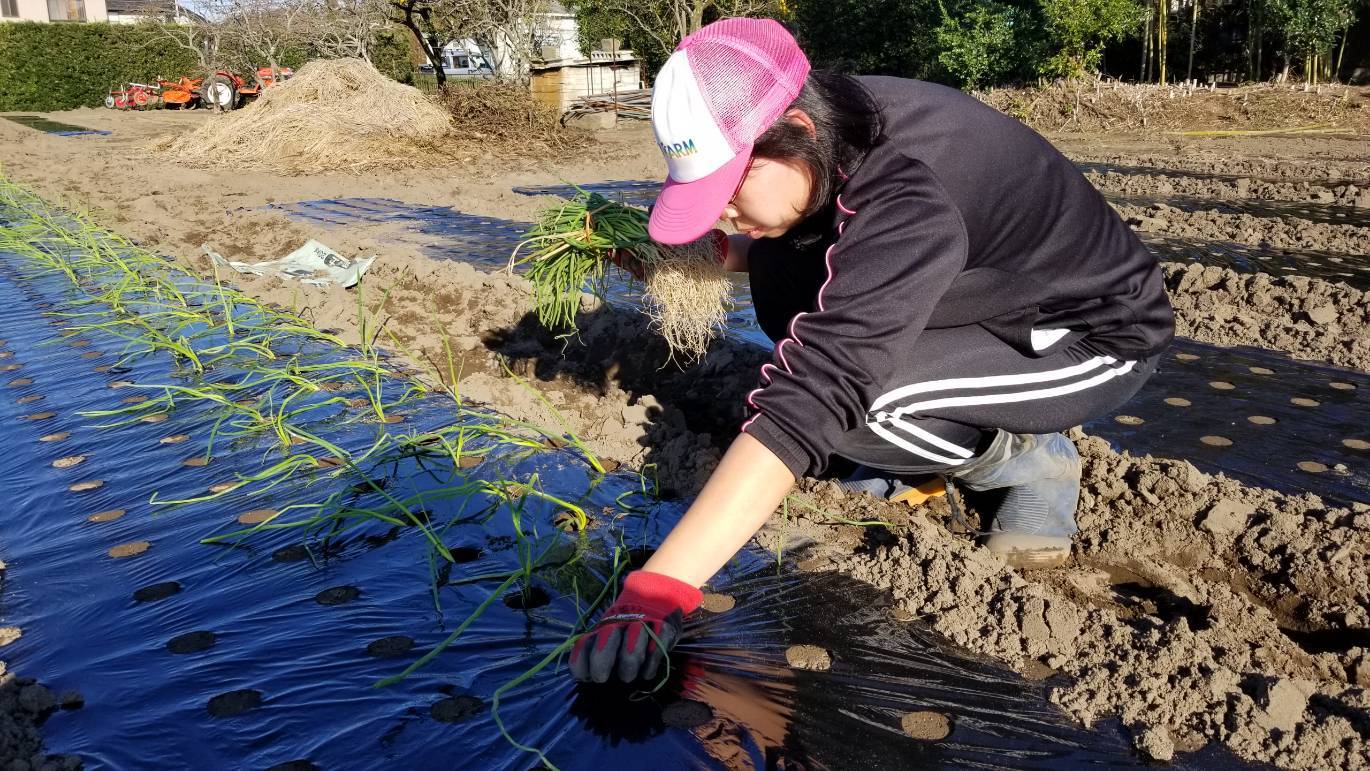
(219, 93)
(109, 102)
(140, 100)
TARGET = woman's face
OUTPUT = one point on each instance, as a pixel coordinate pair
(771, 199)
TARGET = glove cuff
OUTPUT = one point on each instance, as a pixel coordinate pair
(661, 590)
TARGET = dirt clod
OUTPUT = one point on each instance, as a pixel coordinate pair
(130, 549)
(926, 725)
(106, 516)
(717, 603)
(808, 657)
(1154, 743)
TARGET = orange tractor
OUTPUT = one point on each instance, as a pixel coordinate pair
(182, 93)
(226, 90)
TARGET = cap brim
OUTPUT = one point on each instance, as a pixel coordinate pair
(685, 211)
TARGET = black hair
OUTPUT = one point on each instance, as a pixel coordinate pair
(846, 126)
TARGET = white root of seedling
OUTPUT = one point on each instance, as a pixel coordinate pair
(688, 294)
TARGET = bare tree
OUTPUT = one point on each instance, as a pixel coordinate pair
(667, 22)
(262, 30)
(195, 33)
(344, 28)
(512, 30)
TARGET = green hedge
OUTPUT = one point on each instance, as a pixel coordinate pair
(61, 66)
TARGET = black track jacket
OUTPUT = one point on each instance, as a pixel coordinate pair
(959, 215)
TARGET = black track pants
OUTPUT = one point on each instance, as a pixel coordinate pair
(941, 409)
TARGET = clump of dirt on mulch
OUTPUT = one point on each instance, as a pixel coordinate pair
(335, 114)
(1307, 317)
(1097, 105)
(24, 705)
(507, 121)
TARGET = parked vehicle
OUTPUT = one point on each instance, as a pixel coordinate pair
(226, 90)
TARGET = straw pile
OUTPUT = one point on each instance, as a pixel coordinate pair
(335, 114)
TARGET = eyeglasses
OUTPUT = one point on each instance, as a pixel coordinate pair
(743, 179)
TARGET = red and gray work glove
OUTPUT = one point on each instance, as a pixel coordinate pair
(619, 644)
(624, 258)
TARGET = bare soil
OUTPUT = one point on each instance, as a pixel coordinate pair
(1197, 610)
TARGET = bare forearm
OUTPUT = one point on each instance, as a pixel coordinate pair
(745, 489)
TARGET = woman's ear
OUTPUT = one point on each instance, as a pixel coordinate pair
(801, 118)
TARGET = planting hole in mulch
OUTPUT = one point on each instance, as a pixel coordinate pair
(337, 595)
(465, 553)
(328, 461)
(393, 419)
(1128, 420)
(91, 355)
(106, 516)
(470, 461)
(257, 516)
(1340, 386)
(173, 439)
(30, 399)
(120, 383)
(1303, 401)
(82, 487)
(1262, 420)
(69, 461)
(222, 487)
(1221, 385)
(390, 647)
(532, 597)
(295, 765)
(40, 416)
(234, 702)
(1356, 444)
(154, 592)
(1216, 441)
(294, 553)
(130, 549)
(191, 642)
(196, 462)
(21, 381)
(134, 399)
(56, 437)
(456, 708)
(926, 725)
(11, 367)
(82, 343)
(687, 713)
(104, 368)
(1311, 466)
(808, 657)
(1261, 370)
(1186, 357)
(160, 417)
(718, 603)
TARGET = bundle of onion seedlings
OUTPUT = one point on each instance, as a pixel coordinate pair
(686, 291)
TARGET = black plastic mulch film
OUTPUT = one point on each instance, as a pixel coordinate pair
(264, 649)
(1306, 413)
(48, 126)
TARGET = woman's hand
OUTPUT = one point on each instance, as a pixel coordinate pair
(619, 645)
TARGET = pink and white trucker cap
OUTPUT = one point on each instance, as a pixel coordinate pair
(721, 89)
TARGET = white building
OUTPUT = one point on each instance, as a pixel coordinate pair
(52, 10)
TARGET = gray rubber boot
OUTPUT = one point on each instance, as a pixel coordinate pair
(1033, 526)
